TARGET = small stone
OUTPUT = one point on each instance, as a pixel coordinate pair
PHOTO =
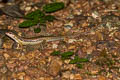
(85, 24)
(88, 43)
(69, 66)
(6, 56)
(90, 49)
(28, 8)
(101, 78)
(48, 78)
(23, 57)
(21, 75)
(71, 47)
(94, 72)
(77, 77)
(54, 46)
(27, 77)
(66, 61)
(66, 75)
(1, 5)
(54, 67)
(30, 55)
(71, 76)
(41, 78)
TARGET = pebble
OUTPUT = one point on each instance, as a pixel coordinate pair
(30, 55)
(6, 56)
(27, 77)
(22, 57)
(77, 77)
(101, 78)
(19, 76)
(71, 76)
(72, 47)
(94, 71)
(48, 78)
(90, 49)
(66, 75)
(66, 61)
(54, 46)
(54, 67)
(28, 8)
(69, 67)
(41, 78)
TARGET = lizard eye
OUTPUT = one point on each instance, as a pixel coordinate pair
(9, 33)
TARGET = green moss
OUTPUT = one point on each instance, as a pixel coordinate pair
(37, 30)
(35, 14)
(66, 55)
(78, 60)
(38, 16)
(52, 7)
(27, 23)
(55, 53)
(79, 65)
(50, 18)
(42, 20)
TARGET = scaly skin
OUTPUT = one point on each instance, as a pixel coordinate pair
(34, 41)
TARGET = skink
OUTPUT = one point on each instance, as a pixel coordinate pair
(28, 41)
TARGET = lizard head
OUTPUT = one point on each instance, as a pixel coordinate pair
(12, 36)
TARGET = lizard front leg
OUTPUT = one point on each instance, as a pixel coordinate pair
(17, 46)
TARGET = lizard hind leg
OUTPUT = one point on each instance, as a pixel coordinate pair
(42, 45)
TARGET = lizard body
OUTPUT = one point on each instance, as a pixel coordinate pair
(33, 41)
